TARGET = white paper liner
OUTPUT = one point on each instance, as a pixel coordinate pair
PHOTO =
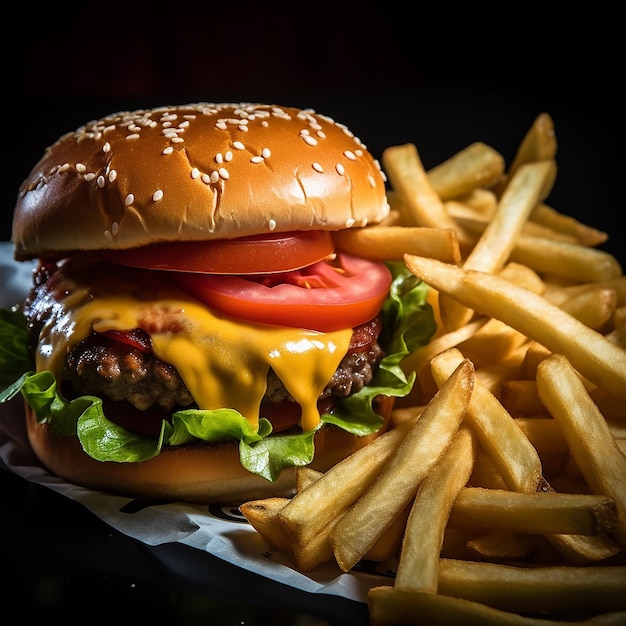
(201, 527)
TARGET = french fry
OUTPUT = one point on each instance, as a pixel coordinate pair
(538, 144)
(408, 177)
(535, 589)
(560, 295)
(571, 261)
(397, 483)
(502, 545)
(513, 455)
(586, 431)
(523, 276)
(339, 487)
(482, 201)
(567, 225)
(390, 605)
(590, 353)
(425, 528)
(543, 513)
(492, 343)
(262, 515)
(594, 307)
(520, 397)
(421, 357)
(389, 243)
(527, 187)
(544, 433)
(476, 166)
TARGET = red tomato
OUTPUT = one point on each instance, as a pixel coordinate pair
(322, 296)
(257, 254)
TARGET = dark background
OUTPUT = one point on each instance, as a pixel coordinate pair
(441, 78)
(437, 77)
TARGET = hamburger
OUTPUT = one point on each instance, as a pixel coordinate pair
(193, 331)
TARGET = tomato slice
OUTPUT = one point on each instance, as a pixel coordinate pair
(257, 254)
(322, 296)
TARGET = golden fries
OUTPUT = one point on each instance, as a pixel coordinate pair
(391, 605)
(338, 488)
(424, 207)
(528, 186)
(425, 442)
(591, 353)
(423, 536)
(389, 243)
(500, 490)
(542, 513)
(477, 166)
(586, 431)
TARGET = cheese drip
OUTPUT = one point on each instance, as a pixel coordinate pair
(223, 362)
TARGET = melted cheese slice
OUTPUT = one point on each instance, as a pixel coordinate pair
(223, 362)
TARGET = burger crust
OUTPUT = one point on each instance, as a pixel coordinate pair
(202, 473)
(195, 173)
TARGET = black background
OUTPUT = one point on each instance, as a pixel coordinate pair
(441, 78)
(437, 77)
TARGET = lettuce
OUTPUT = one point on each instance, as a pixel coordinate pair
(408, 322)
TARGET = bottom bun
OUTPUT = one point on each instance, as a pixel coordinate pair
(200, 473)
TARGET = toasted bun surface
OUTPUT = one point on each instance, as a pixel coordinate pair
(196, 172)
(203, 473)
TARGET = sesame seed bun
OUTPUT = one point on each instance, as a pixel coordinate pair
(201, 473)
(196, 172)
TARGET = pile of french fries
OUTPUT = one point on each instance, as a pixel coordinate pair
(499, 494)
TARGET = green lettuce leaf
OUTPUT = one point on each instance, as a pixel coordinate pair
(408, 322)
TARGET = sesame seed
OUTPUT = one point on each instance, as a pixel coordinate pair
(219, 158)
(168, 150)
(106, 147)
(215, 176)
(63, 168)
(100, 181)
(266, 153)
(157, 195)
(272, 224)
(129, 199)
(112, 175)
(115, 228)
(228, 156)
(238, 145)
(371, 180)
(221, 126)
(243, 128)
(318, 168)
(177, 140)
(80, 168)
(89, 177)
(206, 179)
(223, 173)
(256, 159)
(350, 222)
(107, 235)
(311, 141)
(132, 137)
(349, 155)
(321, 134)
(340, 169)
(195, 172)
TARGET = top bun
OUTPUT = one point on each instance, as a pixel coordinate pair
(196, 172)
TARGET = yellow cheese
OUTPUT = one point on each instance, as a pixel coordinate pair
(223, 362)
